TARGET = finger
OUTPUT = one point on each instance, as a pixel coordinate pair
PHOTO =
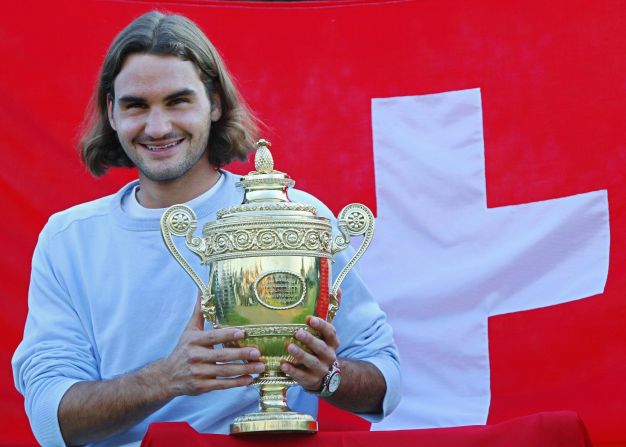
(201, 354)
(309, 361)
(217, 336)
(196, 322)
(327, 331)
(318, 347)
(201, 386)
(212, 370)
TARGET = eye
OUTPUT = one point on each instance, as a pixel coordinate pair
(135, 105)
(181, 100)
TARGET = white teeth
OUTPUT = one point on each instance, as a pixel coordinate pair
(160, 148)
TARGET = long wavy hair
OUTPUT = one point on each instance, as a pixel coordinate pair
(231, 137)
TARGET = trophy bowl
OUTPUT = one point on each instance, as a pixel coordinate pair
(270, 264)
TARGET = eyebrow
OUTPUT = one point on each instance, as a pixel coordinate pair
(179, 93)
(126, 99)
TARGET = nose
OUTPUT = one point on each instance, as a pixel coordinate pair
(158, 124)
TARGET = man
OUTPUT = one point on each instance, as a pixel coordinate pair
(108, 345)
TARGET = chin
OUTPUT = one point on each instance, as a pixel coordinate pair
(162, 177)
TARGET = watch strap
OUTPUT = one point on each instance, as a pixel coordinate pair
(332, 376)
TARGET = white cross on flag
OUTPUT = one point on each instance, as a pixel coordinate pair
(458, 262)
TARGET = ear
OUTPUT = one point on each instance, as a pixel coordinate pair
(110, 112)
(216, 107)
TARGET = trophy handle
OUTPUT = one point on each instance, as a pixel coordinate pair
(353, 220)
(180, 220)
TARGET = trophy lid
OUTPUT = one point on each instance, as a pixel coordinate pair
(265, 189)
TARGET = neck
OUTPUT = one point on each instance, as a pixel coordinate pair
(153, 194)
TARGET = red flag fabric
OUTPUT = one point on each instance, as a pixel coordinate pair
(553, 429)
(552, 83)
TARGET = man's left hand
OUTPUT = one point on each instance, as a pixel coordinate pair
(309, 369)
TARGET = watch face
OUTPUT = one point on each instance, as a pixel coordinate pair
(333, 383)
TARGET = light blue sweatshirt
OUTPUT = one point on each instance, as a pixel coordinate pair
(106, 298)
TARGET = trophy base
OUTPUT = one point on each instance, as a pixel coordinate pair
(273, 422)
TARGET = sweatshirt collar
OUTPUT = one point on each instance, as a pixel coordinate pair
(226, 195)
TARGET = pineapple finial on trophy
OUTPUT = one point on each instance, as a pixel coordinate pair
(263, 160)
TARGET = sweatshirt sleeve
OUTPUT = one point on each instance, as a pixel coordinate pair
(365, 334)
(55, 352)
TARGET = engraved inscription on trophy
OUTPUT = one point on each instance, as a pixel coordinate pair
(279, 289)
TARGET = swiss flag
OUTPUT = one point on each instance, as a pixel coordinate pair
(488, 137)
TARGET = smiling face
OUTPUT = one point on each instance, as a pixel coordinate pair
(162, 115)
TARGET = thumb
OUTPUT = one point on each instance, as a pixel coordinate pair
(196, 322)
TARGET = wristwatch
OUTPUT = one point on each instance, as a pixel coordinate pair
(331, 381)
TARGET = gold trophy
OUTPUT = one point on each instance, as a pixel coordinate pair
(270, 264)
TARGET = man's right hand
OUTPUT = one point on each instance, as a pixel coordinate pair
(195, 366)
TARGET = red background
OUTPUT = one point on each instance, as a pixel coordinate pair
(553, 81)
